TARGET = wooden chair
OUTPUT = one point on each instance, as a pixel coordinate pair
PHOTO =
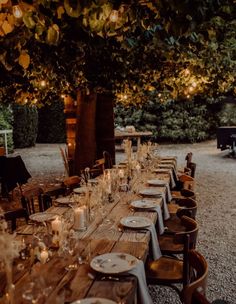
(98, 168)
(85, 175)
(171, 270)
(183, 193)
(194, 291)
(174, 223)
(108, 160)
(32, 201)
(192, 167)
(64, 155)
(187, 203)
(71, 182)
(13, 215)
(51, 195)
(167, 241)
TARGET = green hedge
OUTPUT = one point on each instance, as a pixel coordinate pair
(174, 121)
(25, 125)
(51, 124)
(6, 119)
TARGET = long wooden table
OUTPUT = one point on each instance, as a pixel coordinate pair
(99, 239)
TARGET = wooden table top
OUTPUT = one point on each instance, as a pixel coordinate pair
(99, 238)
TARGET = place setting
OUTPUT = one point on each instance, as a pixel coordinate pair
(117, 265)
(152, 206)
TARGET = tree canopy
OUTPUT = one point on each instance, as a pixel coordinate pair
(139, 49)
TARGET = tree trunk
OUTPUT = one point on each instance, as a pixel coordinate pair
(105, 126)
(85, 149)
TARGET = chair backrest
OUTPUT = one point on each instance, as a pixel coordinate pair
(98, 168)
(64, 156)
(32, 201)
(13, 215)
(188, 238)
(189, 207)
(188, 159)
(188, 193)
(71, 182)
(50, 195)
(108, 160)
(194, 291)
(85, 174)
(192, 167)
(191, 229)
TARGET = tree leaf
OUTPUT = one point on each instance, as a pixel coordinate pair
(24, 59)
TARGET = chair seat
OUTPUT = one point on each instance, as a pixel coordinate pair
(172, 207)
(165, 270)
(174, 224)
(168, 246)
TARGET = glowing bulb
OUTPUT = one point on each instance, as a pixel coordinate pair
(17, 12)
(113, 16)
(194, 84)
(62, 95)
(186, 72)
(125, 96)
(43, 83)
(191, 89)
(188, 96)
(159, 95)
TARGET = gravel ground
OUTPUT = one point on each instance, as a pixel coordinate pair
(216, 196)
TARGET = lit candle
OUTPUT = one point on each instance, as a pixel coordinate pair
(44, 256)
(138, 167)
(79, 218)
(57, 225)
(121, 173)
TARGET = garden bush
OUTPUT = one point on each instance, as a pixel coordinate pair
(51, 123)
(25, 125)
(6, 118)
(174, 121)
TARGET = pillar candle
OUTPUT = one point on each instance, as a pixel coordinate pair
(121, 173)
(79, 216)
(44, 256)
(57, 225)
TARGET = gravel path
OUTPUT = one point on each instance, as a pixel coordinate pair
(216, 196)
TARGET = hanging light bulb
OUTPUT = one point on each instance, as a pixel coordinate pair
(17, 12)
(43, 83)
(114, 16)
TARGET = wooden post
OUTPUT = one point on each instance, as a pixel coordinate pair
(85, 148)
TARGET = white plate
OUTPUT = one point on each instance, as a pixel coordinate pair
(143, 204)
(80, 190)
(156, 182)
(135, 222)
(113, 262)
(66, 200)
(150, 192)
(42, 217)
(94, 301)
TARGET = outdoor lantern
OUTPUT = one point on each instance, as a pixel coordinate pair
(17, 12)
(114, 16)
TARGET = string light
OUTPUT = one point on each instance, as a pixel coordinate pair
(63, 96)
(17, 12)
(43, 83)
(114, 16)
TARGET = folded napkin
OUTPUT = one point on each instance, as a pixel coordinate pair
(139, 272)
(165, 208)
(156, 251)
(172, 180)
(161, 227)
